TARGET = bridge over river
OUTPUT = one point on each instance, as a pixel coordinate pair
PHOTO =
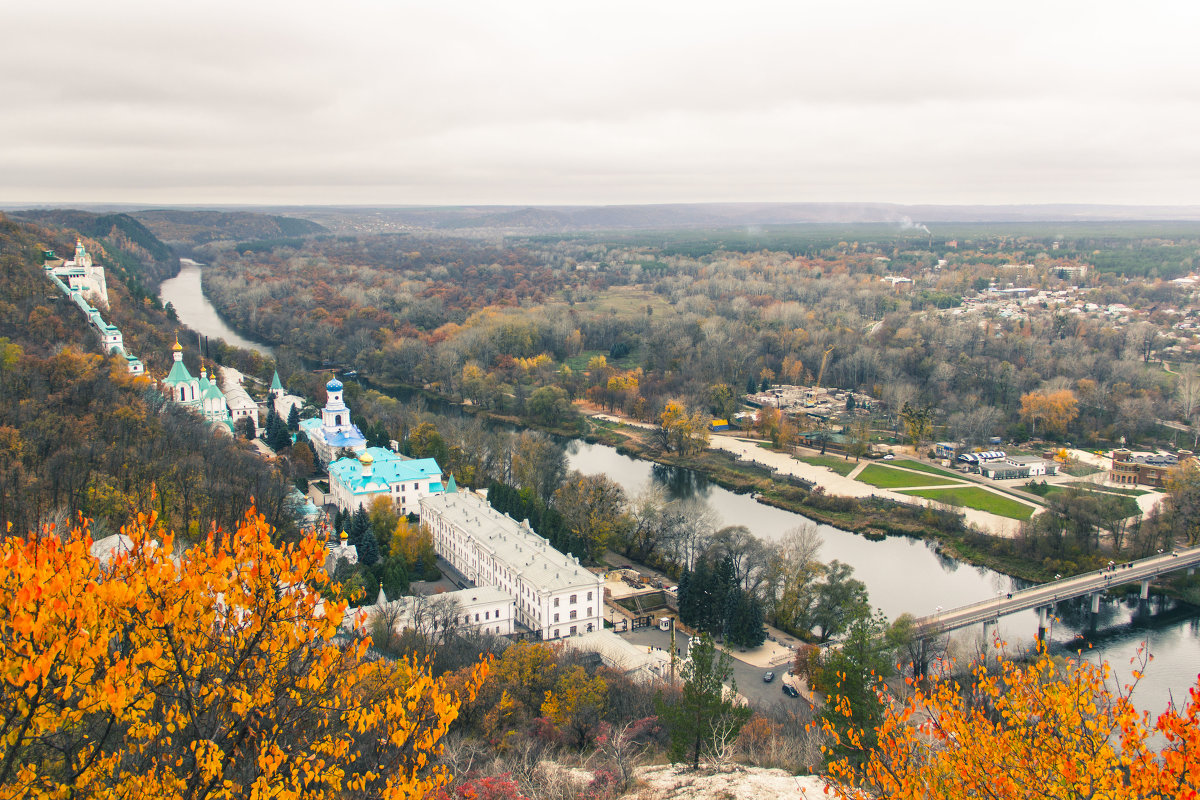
(1044, 597)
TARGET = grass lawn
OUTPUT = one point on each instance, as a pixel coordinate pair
(1080, 470)
(979, 498)
(1129, 504)
(922, 467)
(835, 463)
(886, 478)
(1109, 489)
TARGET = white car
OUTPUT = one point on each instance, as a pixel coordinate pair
(889, 456)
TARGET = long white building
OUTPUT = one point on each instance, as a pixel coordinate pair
(554, 595)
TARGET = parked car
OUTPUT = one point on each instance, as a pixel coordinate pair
(889, 456)
(768, 677)
(790, 691)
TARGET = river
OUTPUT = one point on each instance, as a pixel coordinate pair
(908, 575)
(901, 575)
(184, 292)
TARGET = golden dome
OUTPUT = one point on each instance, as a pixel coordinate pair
(366, 459)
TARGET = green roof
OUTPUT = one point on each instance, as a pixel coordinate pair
(451, 486)
(275, 384)
(178, 374)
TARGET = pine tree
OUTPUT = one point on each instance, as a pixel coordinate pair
(293, 420)
(360, 529)
(368, 545)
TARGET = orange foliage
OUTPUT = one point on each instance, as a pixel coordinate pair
(212, 672)
(1042, 729)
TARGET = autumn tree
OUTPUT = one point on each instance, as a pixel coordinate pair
(1183, 502)
(1055, 410)
(680, 431)
(576, 705)
(1043, 728)
(214, 672)
(594, 508)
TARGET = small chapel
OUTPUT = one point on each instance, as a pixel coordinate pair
(333, 431)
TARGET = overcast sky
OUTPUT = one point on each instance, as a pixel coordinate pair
(568, 102)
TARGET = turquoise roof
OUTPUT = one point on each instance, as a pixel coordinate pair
(388, 468)
(178, 374)
(334, 385)
(275, 384)
(451, 486)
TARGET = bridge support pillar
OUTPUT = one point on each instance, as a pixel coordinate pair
(1043, 613)
(1145, 595)
(1191, 571)
(987, 629)
(1095, 602)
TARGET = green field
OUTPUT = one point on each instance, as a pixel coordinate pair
(1128, 504)
(1109, 489)
(838, 465)
(922, 467)
(978, 498)
(887, 478)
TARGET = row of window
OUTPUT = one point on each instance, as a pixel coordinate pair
(574, 614)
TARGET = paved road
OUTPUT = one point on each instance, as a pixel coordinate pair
(747, 676)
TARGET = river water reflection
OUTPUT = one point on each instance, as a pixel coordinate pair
(908, 575)
(184, 292)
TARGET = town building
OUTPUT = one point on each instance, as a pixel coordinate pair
(377, 472)
(1017, 467)
(1148, 470)
(333, 432)
(555, 596)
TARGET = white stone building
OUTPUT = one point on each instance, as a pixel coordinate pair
(377, 472)
(555, 596)
(484, 610)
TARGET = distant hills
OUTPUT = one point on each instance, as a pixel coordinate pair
(197, 227)
(139, 256)
(184, 228)
(553, 218)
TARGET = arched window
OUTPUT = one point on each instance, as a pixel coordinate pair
(337, 419)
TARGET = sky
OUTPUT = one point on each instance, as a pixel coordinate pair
(388, 102)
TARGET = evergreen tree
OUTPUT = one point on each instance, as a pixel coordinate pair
(702, 709)
(360, 529)
(246, 427)
(751, 387)
(293, 420)
(368, 546)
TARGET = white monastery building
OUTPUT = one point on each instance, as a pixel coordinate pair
(555, 596)
(482, 610)
(377, 472)
(333, 431)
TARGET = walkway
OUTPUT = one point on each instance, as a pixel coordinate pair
(1044, 596)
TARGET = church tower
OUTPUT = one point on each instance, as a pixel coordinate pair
(335, 417)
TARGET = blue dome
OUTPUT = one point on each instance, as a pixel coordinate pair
(334, 385)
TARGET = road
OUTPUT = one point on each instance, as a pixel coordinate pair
(747, 676)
